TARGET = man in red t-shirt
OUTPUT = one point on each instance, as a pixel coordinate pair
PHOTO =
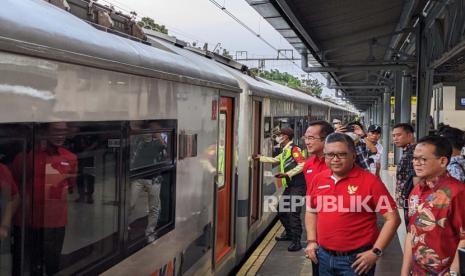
(436, 213)
(342, 220)
(315, 136)
(51, 175)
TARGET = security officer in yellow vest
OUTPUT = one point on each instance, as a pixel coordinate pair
(291, 163)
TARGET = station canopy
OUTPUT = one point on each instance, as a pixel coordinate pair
(356, 44)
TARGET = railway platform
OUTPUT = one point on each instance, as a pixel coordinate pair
(271, 258)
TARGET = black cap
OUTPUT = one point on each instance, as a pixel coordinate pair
(374, 128)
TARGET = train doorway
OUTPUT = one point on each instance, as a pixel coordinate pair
(256, 171)
(224, 165)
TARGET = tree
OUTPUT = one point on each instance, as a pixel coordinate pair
(309, 86)
(283, 78)
(315, 87)
(149, 23)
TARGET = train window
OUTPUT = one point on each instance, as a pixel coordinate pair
(12, 143)
(151, 192)
(150, 204)
(75, 196)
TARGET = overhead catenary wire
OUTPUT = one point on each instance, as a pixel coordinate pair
(252, 31)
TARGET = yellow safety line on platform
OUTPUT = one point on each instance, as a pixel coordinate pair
(258, 257)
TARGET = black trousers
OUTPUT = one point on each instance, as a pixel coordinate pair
(291, 219)
(44, 246)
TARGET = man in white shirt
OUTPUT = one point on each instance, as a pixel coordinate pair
(373, 136)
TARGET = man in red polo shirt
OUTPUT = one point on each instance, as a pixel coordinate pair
(315, 136)
(51, 175)
(344, 202)
(436, 213)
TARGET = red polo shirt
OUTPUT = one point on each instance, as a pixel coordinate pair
(349, 222)
(312, 167)
(437, 224)
(50, 180)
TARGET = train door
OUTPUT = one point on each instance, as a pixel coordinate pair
(256, 171)
(224, 165)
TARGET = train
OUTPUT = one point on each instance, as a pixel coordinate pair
(122, 157)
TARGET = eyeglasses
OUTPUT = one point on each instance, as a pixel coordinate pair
(422, 160)
(312, 138)
(339, 155)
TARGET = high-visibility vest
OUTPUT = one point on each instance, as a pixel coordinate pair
(287, 163)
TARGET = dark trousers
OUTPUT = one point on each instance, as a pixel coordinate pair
(291, 219)
(42, 248)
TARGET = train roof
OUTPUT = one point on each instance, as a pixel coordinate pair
(37, 28)
(30, 27)
(255, 86)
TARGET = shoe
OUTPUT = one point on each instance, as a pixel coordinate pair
(283, 237)
(294, 246)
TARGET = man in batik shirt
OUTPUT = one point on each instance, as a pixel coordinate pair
(436, 212)
(402, 136)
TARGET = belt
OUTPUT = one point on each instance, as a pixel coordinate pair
(348, 253)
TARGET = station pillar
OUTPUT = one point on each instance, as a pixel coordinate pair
(386, 127)
(405, 99)
(397, 109)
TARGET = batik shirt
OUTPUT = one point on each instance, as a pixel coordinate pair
(456, 167)
(363, 155)
(437, 222)
(404, 171)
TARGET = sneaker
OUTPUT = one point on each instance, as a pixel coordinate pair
(294, 246)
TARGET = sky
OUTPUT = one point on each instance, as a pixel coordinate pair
(202, 22)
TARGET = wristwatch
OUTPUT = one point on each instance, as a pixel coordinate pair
(378, 252)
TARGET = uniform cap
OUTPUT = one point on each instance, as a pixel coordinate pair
(287, 131)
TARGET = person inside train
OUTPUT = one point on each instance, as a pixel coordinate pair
(52, 170)
(342, 234)
(291, 164)
(436, 208)
(147, 149)
(372, 138)
(456, 167)
(315, 136)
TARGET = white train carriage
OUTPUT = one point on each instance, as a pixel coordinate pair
(118, 157)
